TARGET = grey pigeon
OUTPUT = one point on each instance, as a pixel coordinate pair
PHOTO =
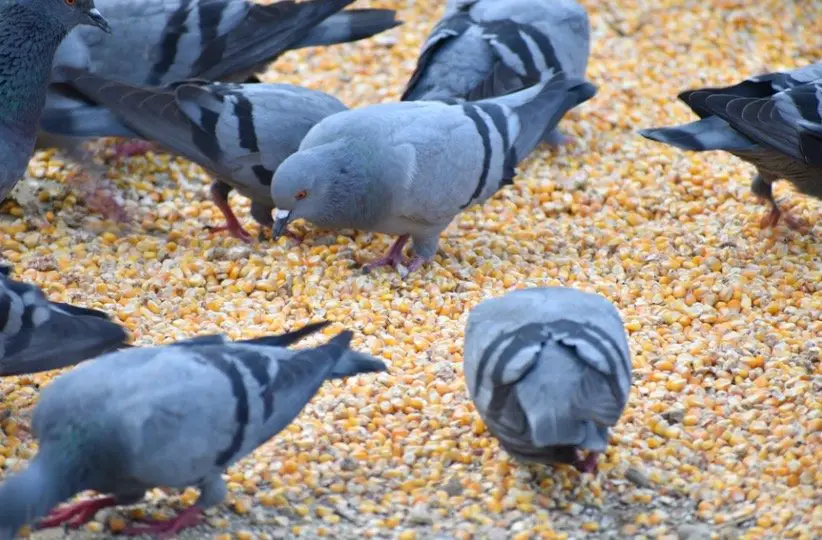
(487, 48)
(239, 132)
(160, 42)
(772, 121)
(39, 335)
(549, 371)
(169, 416)
(409, 168)
(30, 32)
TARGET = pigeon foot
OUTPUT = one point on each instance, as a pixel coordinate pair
(234, 229)
(588, 464)
(219, 194)
(190, 517)
(75, 515)
(393, 258)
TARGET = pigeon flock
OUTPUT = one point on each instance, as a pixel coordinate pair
(549, 369)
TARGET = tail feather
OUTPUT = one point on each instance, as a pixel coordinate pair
(710, 133)
(266, 33)
(288, 338)
(350, 363)
(351, 25)
(84, 121)
(62, 341)
(548, 101)
(354, 363)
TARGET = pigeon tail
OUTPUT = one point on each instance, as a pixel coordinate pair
(351, 25)
(350, 362)
(62, 341)
(288, 338)
(266, 33)
(710, 133)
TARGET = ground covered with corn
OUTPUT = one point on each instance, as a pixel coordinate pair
(722, 436)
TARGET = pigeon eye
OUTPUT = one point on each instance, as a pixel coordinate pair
(301, 195)
(70, 2)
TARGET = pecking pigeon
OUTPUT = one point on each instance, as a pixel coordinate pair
(549, 371)
(170, 416)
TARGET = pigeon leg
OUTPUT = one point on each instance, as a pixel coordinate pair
(219, 194)
(133, 148)
(588, 464)
(74, 515)
(189, 517)
(392, 258)
(416, 262)
(762, 187)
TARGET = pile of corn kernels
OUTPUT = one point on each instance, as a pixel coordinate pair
(722, 436)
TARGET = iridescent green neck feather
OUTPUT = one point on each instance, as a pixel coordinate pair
(28, 42)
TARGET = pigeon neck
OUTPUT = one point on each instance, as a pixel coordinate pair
(29, 42)
(32, 493)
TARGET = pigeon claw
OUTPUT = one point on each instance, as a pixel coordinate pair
(771, 218)
(190, 517)
(588, 464)
(75, 515)
(234, 229)
(393, 258)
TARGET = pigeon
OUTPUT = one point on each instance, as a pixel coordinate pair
(409, 168)
(38, 335)
(30, 33)
(487, 48)
(238, 132)
(169, 416)
(549, 371)
(160, 42)
(771, 121)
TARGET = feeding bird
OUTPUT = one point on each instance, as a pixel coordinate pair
(170, 416)
(771, 121)
(549, 370)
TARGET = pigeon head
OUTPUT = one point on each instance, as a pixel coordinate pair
(69, 13)
(337, 185)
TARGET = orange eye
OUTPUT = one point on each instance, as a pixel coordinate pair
(70, 2)
(301, 195)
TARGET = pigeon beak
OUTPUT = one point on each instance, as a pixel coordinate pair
(96, 19)
(281, 219)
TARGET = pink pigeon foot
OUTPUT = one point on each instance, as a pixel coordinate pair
(190, 517)
(133, 148)
(416, 262)
(771, 219)
(219, 194)
(75, 515)
(588, 464)
(393, 258)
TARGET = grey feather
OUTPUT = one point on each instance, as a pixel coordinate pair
(773, 121)
(171, 416)
(160, 42)
(39, 335)
(241, 133)
(409, 168)
(488, 48)
(30, 33)
(548, 369)
(350, 25)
